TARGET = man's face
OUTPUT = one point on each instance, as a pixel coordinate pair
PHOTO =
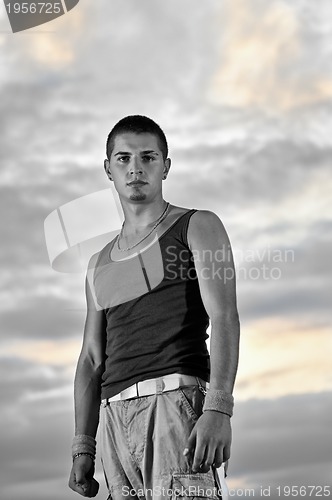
(137, 167)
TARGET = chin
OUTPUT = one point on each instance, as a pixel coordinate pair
(138, 197)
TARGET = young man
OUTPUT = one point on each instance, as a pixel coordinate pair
(151, 294)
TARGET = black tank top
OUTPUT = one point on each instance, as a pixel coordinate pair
(156, 320)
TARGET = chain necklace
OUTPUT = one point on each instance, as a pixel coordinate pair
(159, 220)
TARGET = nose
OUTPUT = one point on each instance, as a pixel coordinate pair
(136, 166)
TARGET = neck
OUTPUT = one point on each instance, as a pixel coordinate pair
(134, 231)
(140, 215)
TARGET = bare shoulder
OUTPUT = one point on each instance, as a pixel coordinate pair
(205, 224)
(207, 237)
(203, 217)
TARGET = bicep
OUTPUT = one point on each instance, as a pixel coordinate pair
(210, 245)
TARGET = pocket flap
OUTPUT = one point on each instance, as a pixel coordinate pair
(195, 485)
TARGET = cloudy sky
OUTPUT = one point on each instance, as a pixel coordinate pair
(243, 90)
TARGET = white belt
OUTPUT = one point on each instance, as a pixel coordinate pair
(156, 386)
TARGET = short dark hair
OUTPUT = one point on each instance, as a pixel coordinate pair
(137, 124)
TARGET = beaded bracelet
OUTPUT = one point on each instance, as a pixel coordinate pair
(83, 443)
(220, 401)
(76, 455)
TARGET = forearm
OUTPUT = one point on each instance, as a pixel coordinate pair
(210, 440)
(224, 349)
(87, 397)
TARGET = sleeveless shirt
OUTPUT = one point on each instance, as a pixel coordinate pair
(155, 319)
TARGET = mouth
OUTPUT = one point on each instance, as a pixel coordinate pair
(136, 183)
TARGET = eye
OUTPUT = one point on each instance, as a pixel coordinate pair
(148, 158)
(123, 158)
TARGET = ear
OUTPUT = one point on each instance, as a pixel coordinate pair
(166, 167)
(107, 169)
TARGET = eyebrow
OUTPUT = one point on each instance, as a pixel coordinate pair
(149, 151)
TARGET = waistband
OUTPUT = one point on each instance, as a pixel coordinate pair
(157, 386)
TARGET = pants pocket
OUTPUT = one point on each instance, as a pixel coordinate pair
(194, 486)
(193, 400)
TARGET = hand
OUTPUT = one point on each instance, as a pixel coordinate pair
(210, 441)
(81, 477)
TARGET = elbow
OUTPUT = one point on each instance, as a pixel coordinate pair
(90, 364)
(229, 316)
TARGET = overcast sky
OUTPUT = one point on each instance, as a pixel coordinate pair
(243, 90)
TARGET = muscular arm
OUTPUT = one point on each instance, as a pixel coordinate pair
(89, 370)
(211, 438)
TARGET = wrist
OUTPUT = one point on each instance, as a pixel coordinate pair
(84, 444)
(82, 454)
(219, 401)
(220, 413)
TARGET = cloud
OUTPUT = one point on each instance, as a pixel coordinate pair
(18, 376)
(266, 57)
(273, 446)
(37, 413)
(278, 357)
(249, 126)
(141, 58)
(286, 281)
(57, 50)
(265, 165)
(56, 352)
(41, 304)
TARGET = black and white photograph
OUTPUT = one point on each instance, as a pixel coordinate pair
(166, 231)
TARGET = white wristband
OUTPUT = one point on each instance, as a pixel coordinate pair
(220, 401)
(84, 444)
